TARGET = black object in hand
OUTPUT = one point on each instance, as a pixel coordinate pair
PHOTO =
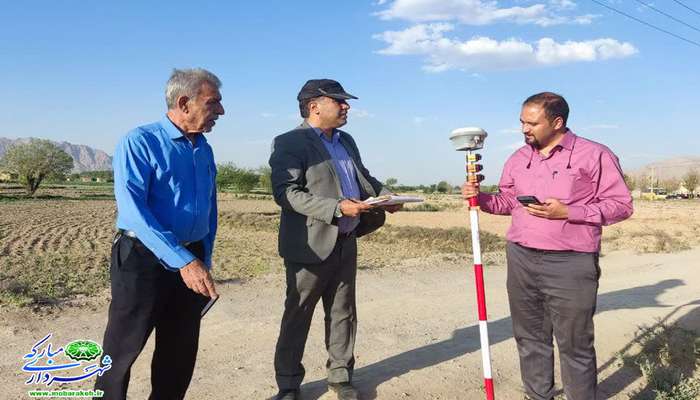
(525, 200)
(208, 306)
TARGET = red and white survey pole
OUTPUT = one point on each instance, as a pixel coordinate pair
(470, 139)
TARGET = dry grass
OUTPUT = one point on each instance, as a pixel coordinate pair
(656, 226)
(667, 357)
(57, 246)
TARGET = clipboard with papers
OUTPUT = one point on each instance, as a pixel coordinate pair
(390, 199)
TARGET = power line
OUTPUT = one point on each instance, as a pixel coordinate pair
(667, 15)
(695, 11)
(647, 24)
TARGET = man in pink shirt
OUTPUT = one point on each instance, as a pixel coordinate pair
(553, 246)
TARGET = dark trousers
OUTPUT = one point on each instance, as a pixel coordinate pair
(146, 296)
(332, 281)
(549, 293)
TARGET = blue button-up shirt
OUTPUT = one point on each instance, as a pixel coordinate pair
(345, 169)
(165, 188)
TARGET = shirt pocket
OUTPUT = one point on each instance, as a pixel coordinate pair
(569, 185)
(525, 183)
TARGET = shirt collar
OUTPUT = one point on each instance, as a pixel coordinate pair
(170, 128)
(175, 133)
(334, 137)
(567, 141)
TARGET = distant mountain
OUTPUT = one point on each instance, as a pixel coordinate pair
(675, 167)
(85, 158)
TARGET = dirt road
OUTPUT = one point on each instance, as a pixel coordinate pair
(417, 337)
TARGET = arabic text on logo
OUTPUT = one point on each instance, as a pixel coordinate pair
(74, 362)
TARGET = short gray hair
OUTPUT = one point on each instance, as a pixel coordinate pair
(187, 82)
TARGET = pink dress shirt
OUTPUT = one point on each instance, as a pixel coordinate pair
(584, 175)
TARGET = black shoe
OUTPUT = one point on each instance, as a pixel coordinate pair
(344, 390)
(288, 394)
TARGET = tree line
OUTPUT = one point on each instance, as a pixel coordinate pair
(690, 181)
(40, 160)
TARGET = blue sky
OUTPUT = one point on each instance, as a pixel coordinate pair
(87, 72)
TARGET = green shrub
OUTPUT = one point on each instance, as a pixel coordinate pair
(239, 179)
(667, 361)
(423, 207)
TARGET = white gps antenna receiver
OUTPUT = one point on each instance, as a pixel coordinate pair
(470, 138)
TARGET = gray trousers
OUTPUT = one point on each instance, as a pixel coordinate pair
(332, 281)
(554, 292)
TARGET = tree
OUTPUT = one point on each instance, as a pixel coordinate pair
(443, 187)
(630, 181)
(670, 185)
(691, 180)
(240, 179)
(35, 161)
(391, 182)
(265, 178)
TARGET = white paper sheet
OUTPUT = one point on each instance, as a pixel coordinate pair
(389, 200)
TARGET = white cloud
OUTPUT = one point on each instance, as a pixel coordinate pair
(562, 4)
(483, 53)
(267, 115)
(479, 12)
(510, 130)
(585, 19)
(418, 120)
(360, 113)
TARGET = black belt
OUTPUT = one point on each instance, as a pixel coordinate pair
(132, 234)
(545, 251)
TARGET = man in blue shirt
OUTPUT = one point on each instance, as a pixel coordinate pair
(165, 187)
(319, 180)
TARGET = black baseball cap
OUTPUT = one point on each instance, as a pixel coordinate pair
(323, 87)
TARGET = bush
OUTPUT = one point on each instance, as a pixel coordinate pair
(667, 360)
(241, 180)
(436, 240)
(423, 207)
(265, 179)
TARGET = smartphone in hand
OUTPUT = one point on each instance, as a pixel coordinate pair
(526, 200)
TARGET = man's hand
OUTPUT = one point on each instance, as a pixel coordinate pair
(550, 209)
(198, 278)
(353, 208)
(393, 208)
(470, 190)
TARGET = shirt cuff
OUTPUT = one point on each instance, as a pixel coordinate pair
(485, 201)
(178, 257)
(577, 214)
